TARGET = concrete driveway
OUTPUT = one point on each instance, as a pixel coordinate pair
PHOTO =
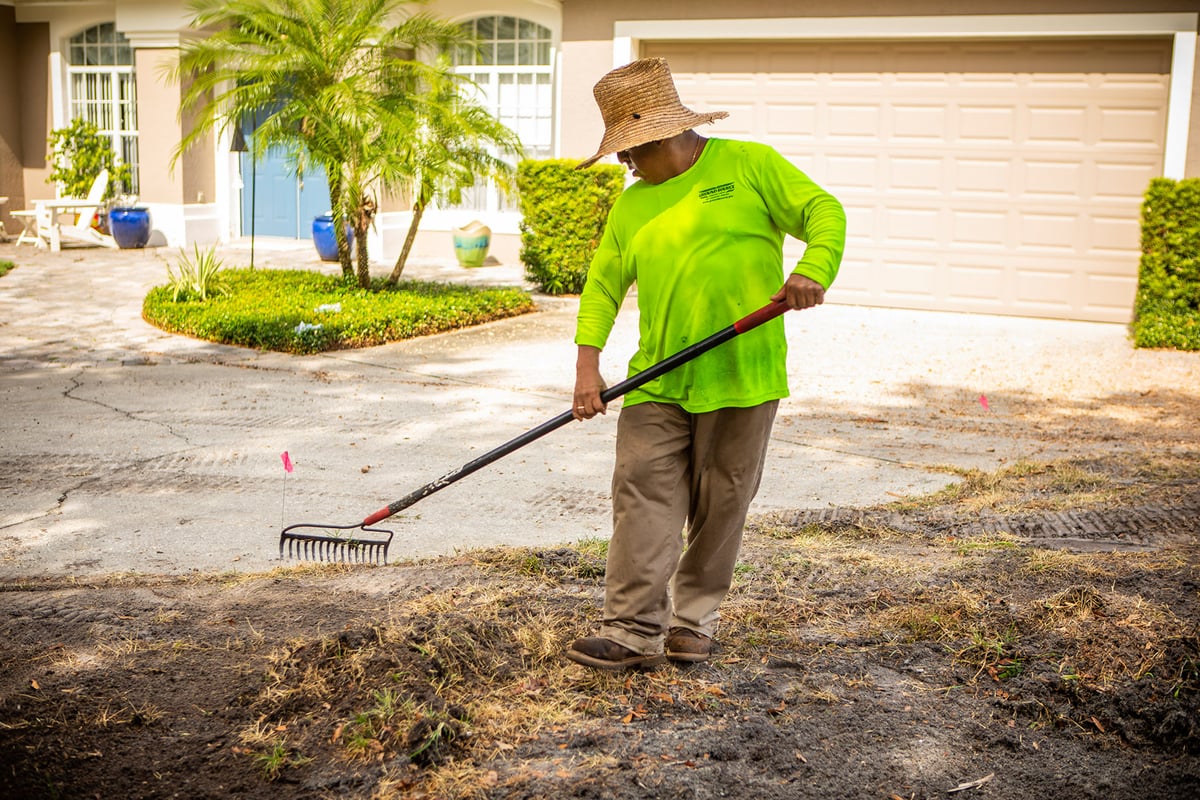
(126, 449)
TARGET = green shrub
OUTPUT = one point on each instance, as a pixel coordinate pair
(563, 213)
(295, 311)
(5, 266)
(1167, 308)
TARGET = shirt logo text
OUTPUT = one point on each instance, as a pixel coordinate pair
(712, 194)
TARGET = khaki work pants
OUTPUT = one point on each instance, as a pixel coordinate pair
(673, 468)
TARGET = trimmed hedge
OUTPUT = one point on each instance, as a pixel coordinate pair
(1167, 309)
(563, 213)
(296, 311)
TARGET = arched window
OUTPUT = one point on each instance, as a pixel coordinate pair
(103, 91)
(514, 71)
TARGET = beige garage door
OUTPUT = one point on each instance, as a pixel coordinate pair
(998, 177)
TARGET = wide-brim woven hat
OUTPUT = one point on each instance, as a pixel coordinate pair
(639, 104)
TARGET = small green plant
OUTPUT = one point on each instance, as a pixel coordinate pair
(992, 651)
(6, 267)
(593, 555)
(363, 734)
(428, 736)
(197, 278)
(274, 760)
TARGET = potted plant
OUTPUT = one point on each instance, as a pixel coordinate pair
(78, 153)
(324, 239)
(128, 222)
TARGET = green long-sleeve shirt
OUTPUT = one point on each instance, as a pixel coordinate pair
(706, 248)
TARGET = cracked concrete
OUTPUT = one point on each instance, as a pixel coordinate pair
(126, 449)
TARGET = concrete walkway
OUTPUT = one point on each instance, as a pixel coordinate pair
(126, 449)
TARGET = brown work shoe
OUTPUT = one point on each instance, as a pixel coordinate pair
(685, 644)
(601, 653)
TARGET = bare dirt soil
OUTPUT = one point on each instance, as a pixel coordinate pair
(913, 651)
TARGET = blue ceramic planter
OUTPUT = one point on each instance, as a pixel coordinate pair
(130, 227)
(325, 241)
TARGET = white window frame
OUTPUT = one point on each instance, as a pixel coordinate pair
(488, 76)
(111, 77)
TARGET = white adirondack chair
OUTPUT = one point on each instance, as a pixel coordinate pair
(68, 220)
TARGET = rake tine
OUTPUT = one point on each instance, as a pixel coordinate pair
(333, 544)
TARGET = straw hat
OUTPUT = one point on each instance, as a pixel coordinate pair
(639, 104)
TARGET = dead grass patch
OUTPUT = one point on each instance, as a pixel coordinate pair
(1028, 486)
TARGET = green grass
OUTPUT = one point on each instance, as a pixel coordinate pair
(5, 267)
(295, 311)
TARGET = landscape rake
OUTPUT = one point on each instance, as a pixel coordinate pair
(362, 543)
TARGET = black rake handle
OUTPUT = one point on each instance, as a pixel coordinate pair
(749, 322)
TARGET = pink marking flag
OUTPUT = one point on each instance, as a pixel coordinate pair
(287, 461)
(982, 401)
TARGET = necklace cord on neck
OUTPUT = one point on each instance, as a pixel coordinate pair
(695, 152)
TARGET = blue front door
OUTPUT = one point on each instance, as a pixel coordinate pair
(276, 201)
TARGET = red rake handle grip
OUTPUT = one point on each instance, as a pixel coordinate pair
(765, 314)
(747, 323)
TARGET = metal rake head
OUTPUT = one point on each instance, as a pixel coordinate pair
(312, 542)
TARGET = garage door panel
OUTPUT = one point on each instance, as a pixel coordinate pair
(1060, 179)
(854, 279)
(910, 279)
(861, 172)
(992, 124)
(796, 120)
(847, 121)
(1007, 175)
(917, 174)
(1041, 232)
(1107, 294)
(982, 177)
(846, 64)
(1045, 291)
(919, 123)
(1056, 84)
(1055, 125)
(988, 229)
(795, 67)
(977, 287)
(1123, 180)
(908, 225)
(1131, 127)
(1113, 235)
(742, 122)
(861, 220)
(728, 63)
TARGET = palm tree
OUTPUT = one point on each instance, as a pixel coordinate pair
(338, 82)
(458, 143)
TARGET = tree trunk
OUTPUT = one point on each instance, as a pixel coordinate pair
(418, 211)
(364, 263)
(339, 227)
(362, 223)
